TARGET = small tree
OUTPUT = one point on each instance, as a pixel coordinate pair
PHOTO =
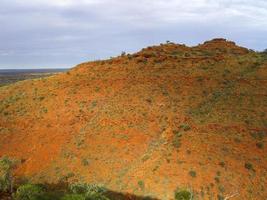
(6, 174)
(123, 53)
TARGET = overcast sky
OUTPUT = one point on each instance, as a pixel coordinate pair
(63, 33)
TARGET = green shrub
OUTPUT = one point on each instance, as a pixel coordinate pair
(96, 196)
(185, 127)
(78, 191)
(85, 162)
(141, 184)
(6, 167)
(187, 54)
(259, 135)
(73, 197)
(260, 145)
(177, 139)
(30, 192)
(222, 164)
(81, 188)
(89, 191)
(192, 173)
(183, 194)
(220, 197)
(249, 166)
(176, 142)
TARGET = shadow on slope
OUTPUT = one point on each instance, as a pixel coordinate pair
(60, 190)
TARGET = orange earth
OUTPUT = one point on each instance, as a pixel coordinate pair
(168, 116)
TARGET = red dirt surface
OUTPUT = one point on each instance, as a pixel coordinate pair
(168, 116)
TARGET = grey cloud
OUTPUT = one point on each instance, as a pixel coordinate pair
(62, 33)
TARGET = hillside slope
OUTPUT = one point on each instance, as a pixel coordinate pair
(168, 116)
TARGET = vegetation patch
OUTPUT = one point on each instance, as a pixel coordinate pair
(141, 185)
(183, 194)
(6, 174)
(178, 134)
(249, 166)
(192, 173)
(30, 192)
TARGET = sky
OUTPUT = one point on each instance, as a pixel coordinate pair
(63, 33)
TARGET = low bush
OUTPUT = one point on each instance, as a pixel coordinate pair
(78, 191)
(260, 145)
(185, 127)
(83, 188)
(30, 192)
(141, 184)
(183, 194)
(87, 191)
(73, 197)
(94, 196)
(249, 166)
(192, 173)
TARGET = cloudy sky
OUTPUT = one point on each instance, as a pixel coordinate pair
(62, 33)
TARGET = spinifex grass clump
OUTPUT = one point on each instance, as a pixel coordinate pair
(183, 194)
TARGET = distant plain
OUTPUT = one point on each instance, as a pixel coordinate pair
(8, 76)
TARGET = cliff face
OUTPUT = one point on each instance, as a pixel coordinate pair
(168, 116)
